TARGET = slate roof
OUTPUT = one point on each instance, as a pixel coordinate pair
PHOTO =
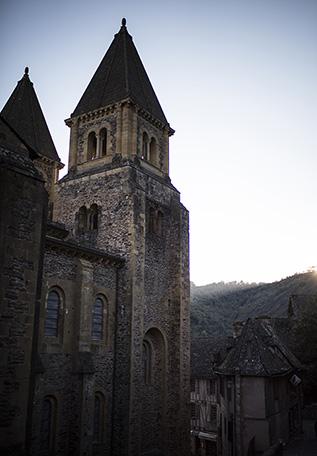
(23, 112)
(120, 75)
(206, 353)
(14, 152)
(259, 352)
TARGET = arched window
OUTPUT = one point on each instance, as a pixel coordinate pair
(98, 418)
(97, 319)
(82, 219)
(93, 217)
(147, 362)
(48, 425)
(53, 304)
(103, 142)
(92, 146)
(153, 152)
(145, 146)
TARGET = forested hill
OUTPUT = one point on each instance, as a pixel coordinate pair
(216, 306)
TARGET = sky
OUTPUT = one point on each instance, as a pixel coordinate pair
(236, 80)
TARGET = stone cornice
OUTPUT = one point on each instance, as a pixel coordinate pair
(110, 109)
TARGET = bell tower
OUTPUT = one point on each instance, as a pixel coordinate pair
(119, 115)
(118, 197)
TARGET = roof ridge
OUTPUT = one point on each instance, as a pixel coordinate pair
(124, 31)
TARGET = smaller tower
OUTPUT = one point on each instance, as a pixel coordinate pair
(23, 112)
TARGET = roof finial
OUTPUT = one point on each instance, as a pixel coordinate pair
(124, 22)
(26, 71)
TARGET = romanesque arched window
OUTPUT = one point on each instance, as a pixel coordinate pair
(103, 142)
(98, 418)
(53, 304)
(153, 152)
(48, 425)
(92, 146)
(98, 318)
(145, 146)
(93, 217)
(147, 362)
(82, 219)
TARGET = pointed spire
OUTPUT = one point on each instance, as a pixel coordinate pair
(120, 75)
(23, 112)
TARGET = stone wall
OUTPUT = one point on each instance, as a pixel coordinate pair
(23, 207)
(73, 367)
(153, 294)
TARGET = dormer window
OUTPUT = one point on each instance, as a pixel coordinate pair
(103, 142)
(145, 146)
(92, 146)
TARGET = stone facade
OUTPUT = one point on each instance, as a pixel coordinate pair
(23, 214)
(110, 371)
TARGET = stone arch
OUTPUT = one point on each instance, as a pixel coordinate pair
(154, 347)
(99, 318)
(48, 425)
(54, 312)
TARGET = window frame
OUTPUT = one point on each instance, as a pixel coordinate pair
(104, 320)
(50, 442)
(59, 326)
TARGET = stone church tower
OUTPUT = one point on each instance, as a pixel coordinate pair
(117, 196)
(109, 348)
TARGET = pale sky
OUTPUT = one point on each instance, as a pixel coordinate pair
(236, 80)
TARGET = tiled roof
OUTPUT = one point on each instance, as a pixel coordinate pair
(259, 352)
(23, 112)
(120, 75)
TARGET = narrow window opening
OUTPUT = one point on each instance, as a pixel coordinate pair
(93, 219)
(48, 422)
(82, 219)
(103, 142)
(92, 146)
(153, 152)
(145, 146)
(52, 314)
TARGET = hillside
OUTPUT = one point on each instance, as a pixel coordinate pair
(216, 306)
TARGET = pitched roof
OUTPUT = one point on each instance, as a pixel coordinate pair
(120, 75)
(23, 112)
(206, 353)
(259, 352)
